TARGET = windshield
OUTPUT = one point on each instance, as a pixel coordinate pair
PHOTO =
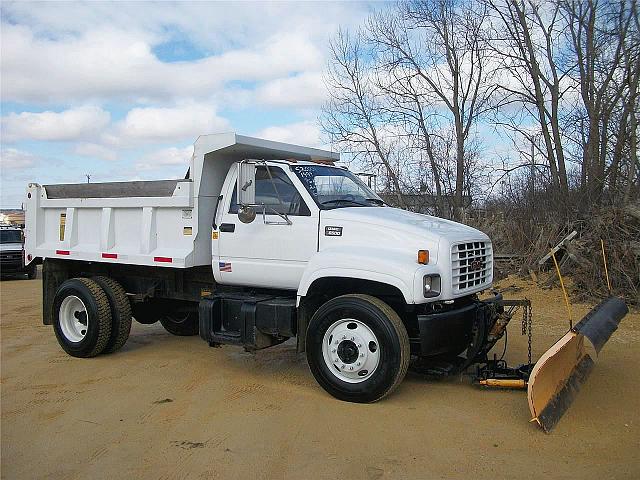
(10, 236)
(333, 187)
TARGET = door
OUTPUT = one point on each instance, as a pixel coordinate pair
(260, 254)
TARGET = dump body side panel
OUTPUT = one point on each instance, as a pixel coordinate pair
(141, 223)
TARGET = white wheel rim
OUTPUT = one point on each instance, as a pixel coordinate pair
(73, 317)
(351, 350)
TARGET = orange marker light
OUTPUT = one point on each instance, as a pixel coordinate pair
(423, 256)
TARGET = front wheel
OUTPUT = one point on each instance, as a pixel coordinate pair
(357, 348)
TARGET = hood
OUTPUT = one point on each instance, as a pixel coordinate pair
(425, 226)
(393, 229)
(10, 247)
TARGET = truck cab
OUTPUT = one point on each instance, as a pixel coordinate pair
(12, 252)
(262, 242)
(317, 220)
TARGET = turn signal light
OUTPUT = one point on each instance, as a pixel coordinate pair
(423, 256)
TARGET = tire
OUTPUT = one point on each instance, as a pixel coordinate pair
(120, 313)
(76, 300)
(147, 313)
(371, 355)
(32, 271)
(183, 324)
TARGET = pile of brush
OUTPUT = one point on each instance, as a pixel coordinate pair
(524, 246)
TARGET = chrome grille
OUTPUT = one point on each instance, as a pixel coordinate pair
(471, 265)
(11, 256)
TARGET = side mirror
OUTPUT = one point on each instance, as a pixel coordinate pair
(246, 183)
(246, 214)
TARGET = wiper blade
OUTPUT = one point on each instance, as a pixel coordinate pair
(377, 201)
(341, 200)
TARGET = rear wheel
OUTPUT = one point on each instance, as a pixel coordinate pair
(182, 324)
(120, 313)
(357, 348)
(147, 313)
(81, 317)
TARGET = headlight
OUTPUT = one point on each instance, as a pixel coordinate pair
(431, 285)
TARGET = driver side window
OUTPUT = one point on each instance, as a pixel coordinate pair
(290, 201)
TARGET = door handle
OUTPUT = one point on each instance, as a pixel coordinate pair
(227, 227)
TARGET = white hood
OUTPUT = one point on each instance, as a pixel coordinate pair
(425, 226)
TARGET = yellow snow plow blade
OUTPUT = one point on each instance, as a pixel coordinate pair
(557, 377)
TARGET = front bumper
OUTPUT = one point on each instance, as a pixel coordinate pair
(454, 329)
(11, 262)
(446, 332)
(9, 266)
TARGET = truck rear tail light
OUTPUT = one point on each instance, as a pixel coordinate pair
(62, 252)
(423, 257)
(431, 285)
(163, 259)
(110, 255)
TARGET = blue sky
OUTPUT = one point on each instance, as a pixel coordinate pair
(121, 90)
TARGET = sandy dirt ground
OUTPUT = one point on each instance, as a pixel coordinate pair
(170, 407)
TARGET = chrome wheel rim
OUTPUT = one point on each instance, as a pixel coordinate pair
(73, 318)
(351, 350)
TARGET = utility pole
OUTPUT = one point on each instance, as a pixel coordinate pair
(88, 177)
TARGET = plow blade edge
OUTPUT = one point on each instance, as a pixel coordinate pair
(557, 377)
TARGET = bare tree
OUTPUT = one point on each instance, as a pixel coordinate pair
(527, 44)
(410, 92)
(412, 109)
(353, 118)
(441, 43)
(601, 41)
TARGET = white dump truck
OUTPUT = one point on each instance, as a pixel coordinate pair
(261, 242)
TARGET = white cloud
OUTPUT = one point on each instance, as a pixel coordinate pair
(72, 124)
(96, 151)
(12, 158)
(166, 157)
(243, 58)
(210, 25)
(303, 90)
(166, 124)
(109, 63)
(306, 133)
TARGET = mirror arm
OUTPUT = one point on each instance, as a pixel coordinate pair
(284, 216)
(215, 213)
(275, 189)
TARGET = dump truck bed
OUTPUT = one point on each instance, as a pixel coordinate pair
(144, 223)
(165, 223)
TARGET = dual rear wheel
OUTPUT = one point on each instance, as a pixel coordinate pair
(82, 318)
(93, 316)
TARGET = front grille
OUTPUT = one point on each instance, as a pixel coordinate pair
(471, 265)
(11, 256)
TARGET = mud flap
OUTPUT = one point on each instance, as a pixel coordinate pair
(557, 377)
